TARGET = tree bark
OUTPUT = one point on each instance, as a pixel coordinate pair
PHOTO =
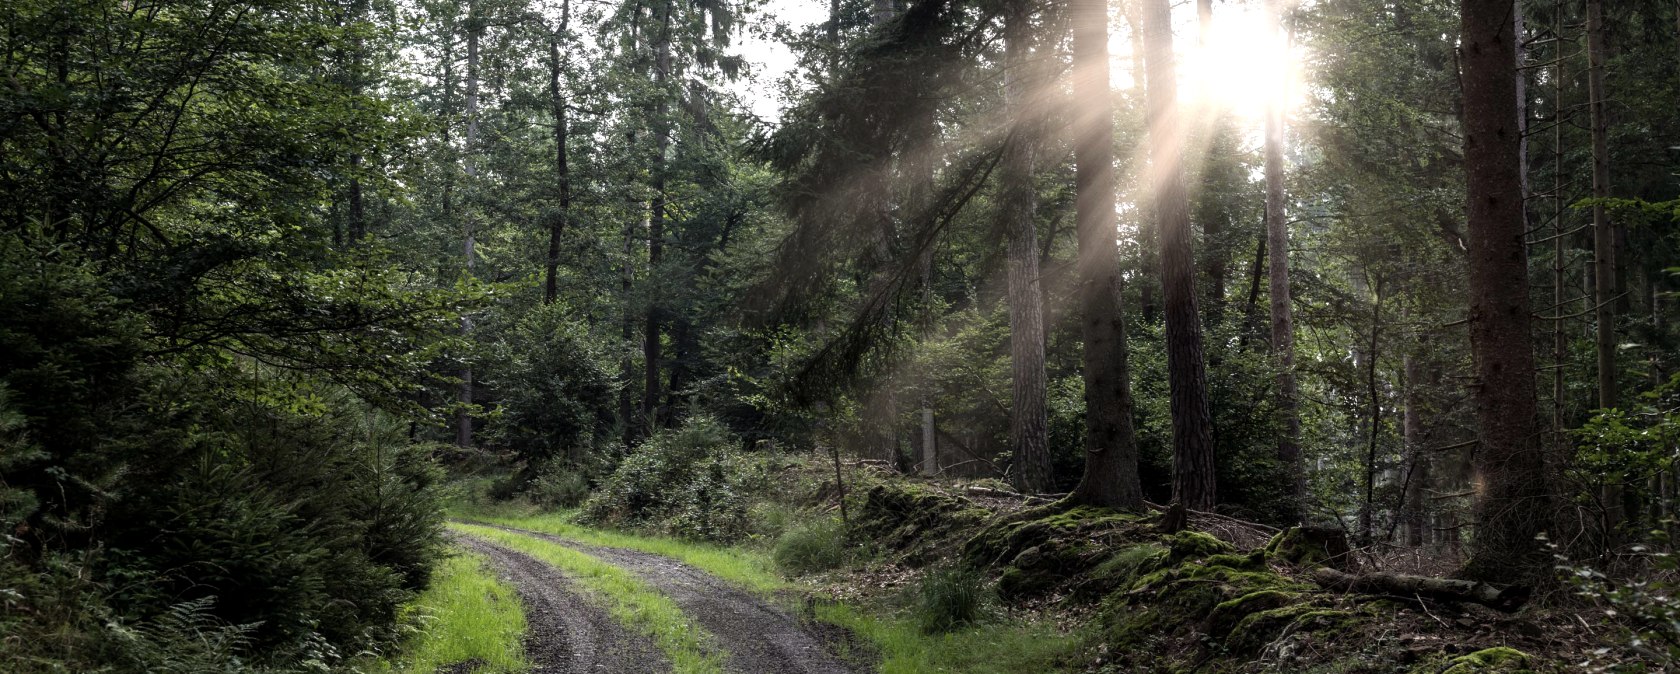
(562, 171)
(464, 396)
(1016, 206)
(651, 346)
(1193, 470)
(1604, 242)
(1513, 504)
(1282, 309)
(1111, 457)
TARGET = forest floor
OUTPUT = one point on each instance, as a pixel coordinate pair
(573, 630)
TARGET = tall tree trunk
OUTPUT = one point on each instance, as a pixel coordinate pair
(1514, 502)
(1413, 509)
(1374, 419)
(1016, 205)
(1282, 309)
(1111, 456)
(1604, 243)
(1560, 341)
(1149, 234)
(651, 346)
(463, 413)
(562, 171)
(627, 332)
(1193, 470)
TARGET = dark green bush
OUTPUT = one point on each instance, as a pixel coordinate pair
(555, 391)
(688, 481)
(950, 599)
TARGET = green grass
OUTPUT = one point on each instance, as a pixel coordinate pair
(749, 569)
(998, 648)
(466, 614)
(635, 604)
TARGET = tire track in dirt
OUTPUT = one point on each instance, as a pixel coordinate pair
(564, 632)
(760, 638)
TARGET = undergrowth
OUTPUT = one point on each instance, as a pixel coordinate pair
(466, 614)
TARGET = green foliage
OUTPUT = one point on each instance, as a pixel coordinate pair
(689, 481)
(818, 544)
(1627, 446)
(950, 598)
(556, 390)
(1645, 607)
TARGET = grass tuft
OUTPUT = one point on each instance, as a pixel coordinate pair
(815, 546)
(467, 614)
(950, 599)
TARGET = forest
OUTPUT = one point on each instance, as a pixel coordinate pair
(791, 336)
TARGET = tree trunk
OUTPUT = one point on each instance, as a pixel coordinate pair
(1111, 456)
(651, 346)
(1604, 244)
(562, 172)
(627, 332)
(1148, 235)
(463, 413)
(1413, 504)
(1193, 471)
(1373, 422)
(1282, 310)
(1016, 205)
(1514, 502)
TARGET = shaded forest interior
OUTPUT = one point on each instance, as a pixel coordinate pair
(283, 282)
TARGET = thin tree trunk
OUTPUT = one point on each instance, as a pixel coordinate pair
(1414, 507)
(651, 346)
(1514, 502)
(1282, 308)
(1193, 470)
(463, 413)
(627, 332)
(1111, 456)
(1604, 244)
(562, 171)
(1374, 419)
(1560, 342)
(1016, 205)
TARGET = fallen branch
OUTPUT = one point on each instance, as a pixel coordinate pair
(1441, 589)
(999, 493)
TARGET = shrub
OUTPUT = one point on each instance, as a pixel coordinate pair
(818, 545)
(557, 487)
(689, 482)
(950, 599)
(555, 390)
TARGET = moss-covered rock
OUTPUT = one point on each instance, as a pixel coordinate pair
(913, 522)
(1498, 660)
(1311, 546)
(1048, 548)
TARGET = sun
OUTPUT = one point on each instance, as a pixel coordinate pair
(1244, 65)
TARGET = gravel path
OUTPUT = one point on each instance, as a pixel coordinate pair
(760, 638)
(565, 633)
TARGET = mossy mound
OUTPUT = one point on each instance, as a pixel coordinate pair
(1050, 548)
(1498, 660)
(1312, 546)
(1190, 592)
(914, 523)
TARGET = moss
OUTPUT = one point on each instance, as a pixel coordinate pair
(1309, 546)
(1189, 544)
(1500, 660)
(1228, 613)
(1257, 630)
(1048, 548)
(913, 522)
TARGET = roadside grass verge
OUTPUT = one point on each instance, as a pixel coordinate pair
(466, 614)
(749, 569)
(635, 604)
(991, 648)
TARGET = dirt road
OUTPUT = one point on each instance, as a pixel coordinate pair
(760, 638)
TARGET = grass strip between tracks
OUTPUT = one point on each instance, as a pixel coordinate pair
(635, 604)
